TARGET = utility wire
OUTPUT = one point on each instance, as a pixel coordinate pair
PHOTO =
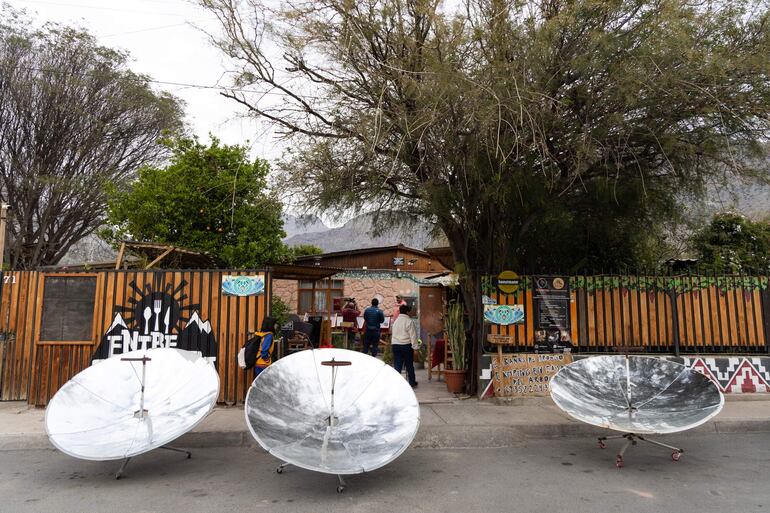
(170, 83)
(99, 7)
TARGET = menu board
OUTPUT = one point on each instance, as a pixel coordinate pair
(552, 303)
(526, 375)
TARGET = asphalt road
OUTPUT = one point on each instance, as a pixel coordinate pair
(716, 473)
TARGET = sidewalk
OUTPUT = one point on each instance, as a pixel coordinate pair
(445, 421)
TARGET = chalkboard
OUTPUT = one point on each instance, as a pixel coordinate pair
(68, 308)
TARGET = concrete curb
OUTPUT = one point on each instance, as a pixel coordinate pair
(428, 437)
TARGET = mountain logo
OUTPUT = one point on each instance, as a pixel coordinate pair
(157, 316)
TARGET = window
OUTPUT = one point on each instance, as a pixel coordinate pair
(68, 308)
(318, 297)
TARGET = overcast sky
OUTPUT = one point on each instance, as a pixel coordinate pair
(165, 44)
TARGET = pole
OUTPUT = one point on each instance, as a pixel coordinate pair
(3, 216)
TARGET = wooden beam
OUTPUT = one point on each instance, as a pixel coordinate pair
(3, 216)
(119, 260)
(160, 257)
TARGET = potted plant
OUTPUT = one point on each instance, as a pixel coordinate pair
(455, 334)
(420, 355)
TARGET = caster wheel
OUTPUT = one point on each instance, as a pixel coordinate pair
(279, 470)
(189, 455)
(676, 455)
(340, 489)
(601, 445)
(619, 462)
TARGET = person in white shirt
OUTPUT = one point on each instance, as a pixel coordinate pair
(403, 340)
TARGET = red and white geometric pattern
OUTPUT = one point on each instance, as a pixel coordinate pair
(746, 380)
(700, 366)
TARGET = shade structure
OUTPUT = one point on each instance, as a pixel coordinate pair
(370, 420)
(97, 415)
(636, 394)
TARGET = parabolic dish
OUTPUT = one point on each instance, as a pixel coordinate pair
(94, 416)
(376, 414)
(664, 396)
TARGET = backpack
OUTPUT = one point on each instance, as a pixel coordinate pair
(247, 356)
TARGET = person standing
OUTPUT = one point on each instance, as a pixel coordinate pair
(373, 317)
(350, 316)
(396, 310)
(403, 342)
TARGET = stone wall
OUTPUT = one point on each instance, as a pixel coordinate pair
(361, 287)
(287, 291)
(364, 289)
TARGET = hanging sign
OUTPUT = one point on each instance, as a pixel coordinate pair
(508, 282)
(526, 375)
(243, 285)
(504, 314)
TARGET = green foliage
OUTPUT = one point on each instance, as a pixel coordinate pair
(387, 355)
(279, 310)
(299, 250)
(73, 117)
(209, 198)
(535, 134)
(679, 284)
(733, 244)
(455, 331)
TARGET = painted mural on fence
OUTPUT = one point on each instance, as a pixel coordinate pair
(157, 318)
(504, 314)
(243, 285)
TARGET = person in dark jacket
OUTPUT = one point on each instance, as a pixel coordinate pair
(373, 317)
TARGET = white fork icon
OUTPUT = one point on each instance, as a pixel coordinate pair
(157, 306)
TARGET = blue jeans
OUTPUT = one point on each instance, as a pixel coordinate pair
(372, 340)
(403, 354)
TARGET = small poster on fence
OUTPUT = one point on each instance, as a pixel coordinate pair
(243, 285)
(526, 375)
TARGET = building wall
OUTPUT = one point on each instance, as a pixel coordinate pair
(364, 289)
(286, 290)
(363, 286)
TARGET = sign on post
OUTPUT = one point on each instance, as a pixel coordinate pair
(526, 375)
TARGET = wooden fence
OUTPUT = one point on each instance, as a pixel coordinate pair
(658, 314)
(53, 324)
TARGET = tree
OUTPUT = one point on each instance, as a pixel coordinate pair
(499, 119)
(299, 250)
(73, 118)
(209, 198)
(733, 244)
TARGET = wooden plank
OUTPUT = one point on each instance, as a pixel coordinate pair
(119, 259)
(529, 336)
(573, 317)
(160, 257)
(32, 310)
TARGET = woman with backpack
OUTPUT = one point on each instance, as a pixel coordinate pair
(258, 351)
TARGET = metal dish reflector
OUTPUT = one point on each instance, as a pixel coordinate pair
(371, 419)
(95, 415)
(636, 394)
